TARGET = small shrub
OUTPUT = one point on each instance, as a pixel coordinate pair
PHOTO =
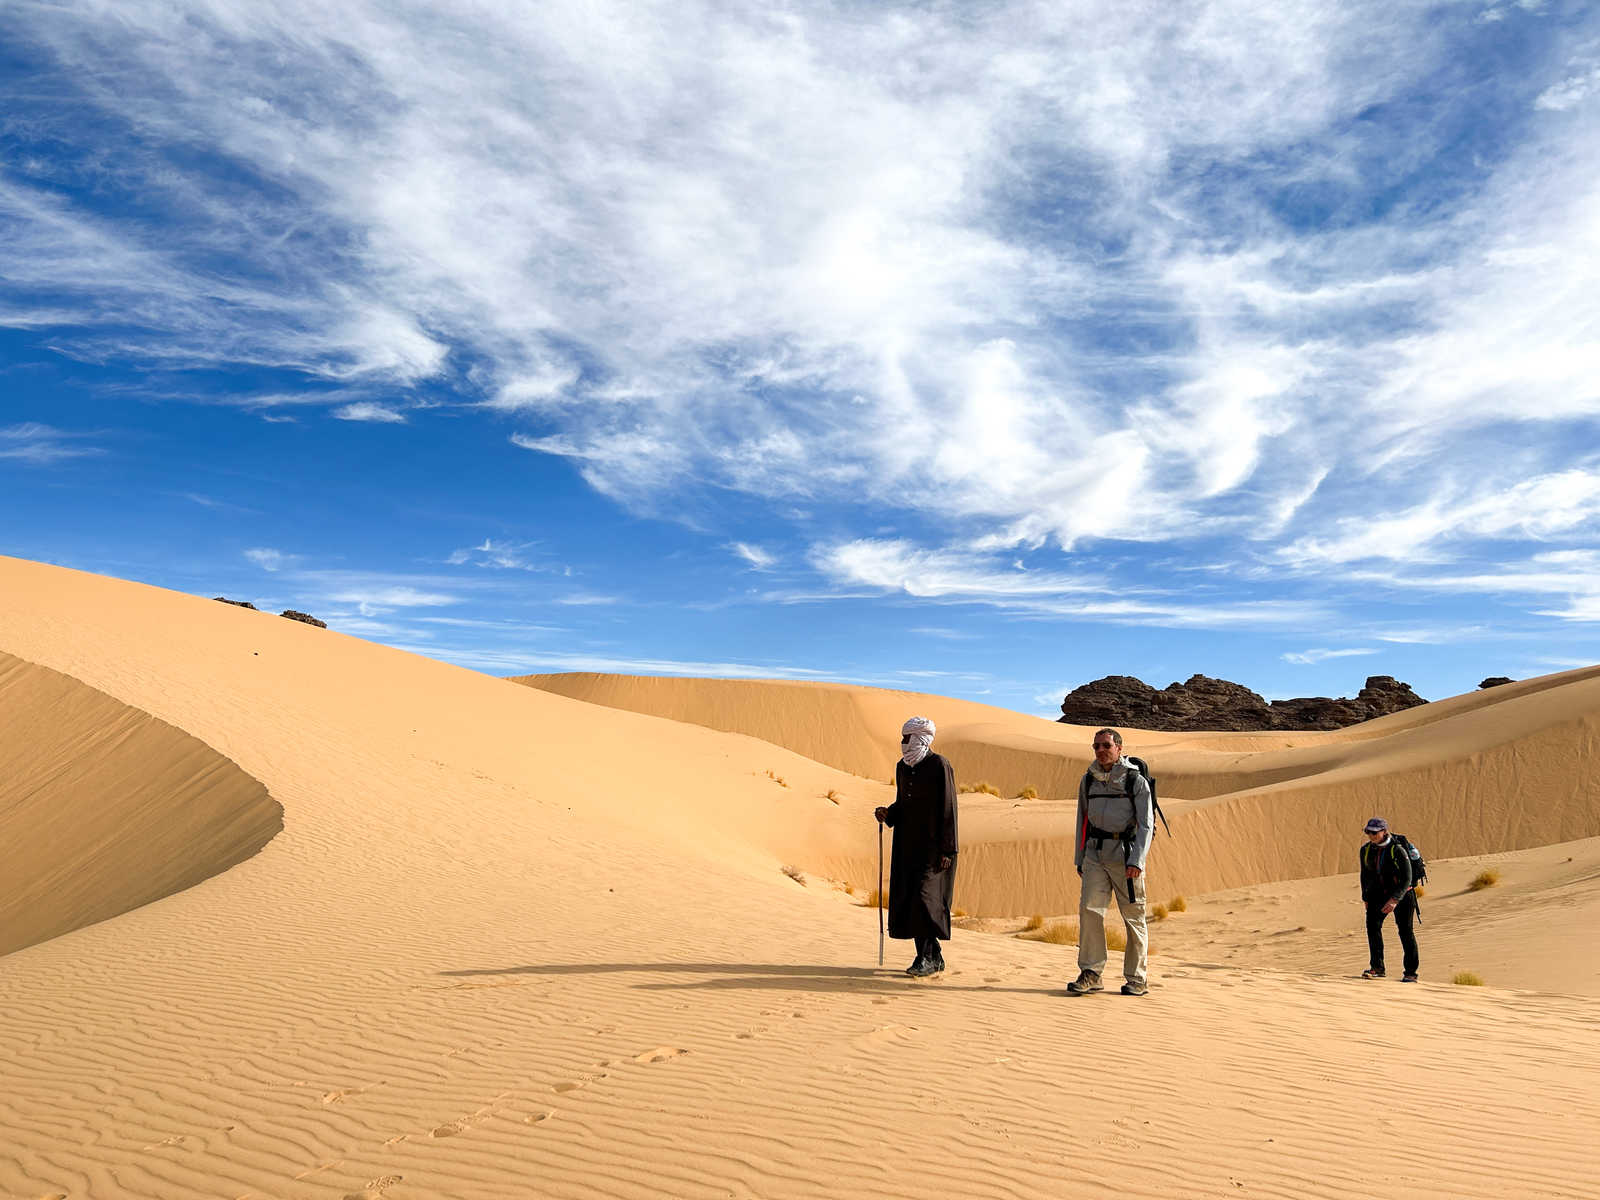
(1035, 922)
(983, 786)
(1177, 904)
(1467, 979)
(1487, 878)
(1116, 939)
(1028, 793)
(1061, 933)
(1159, 912)
(796, 874)
(831, 794)
(849, 889)
(958, 912)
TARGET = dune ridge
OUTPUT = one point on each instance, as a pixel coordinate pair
(508, 943)
(103, 808)
(1502, 769)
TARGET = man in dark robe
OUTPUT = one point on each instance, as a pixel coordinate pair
(922, 870)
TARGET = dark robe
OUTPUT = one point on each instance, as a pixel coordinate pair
(924, 819)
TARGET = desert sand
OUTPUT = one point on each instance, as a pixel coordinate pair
(291, 914)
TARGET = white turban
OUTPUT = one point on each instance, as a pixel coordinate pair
(916, 739)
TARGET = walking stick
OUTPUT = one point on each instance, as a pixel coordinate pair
(880, 893)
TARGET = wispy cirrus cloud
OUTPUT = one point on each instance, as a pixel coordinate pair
(370, 410)
(1307, 658)
(43, 445)
(1032, 277)
(754, 555)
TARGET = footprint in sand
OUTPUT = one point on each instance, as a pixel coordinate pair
(660, 1054)
(746, 1035)
(539, 1118)
(448, 1129)
(374, 1189)
(569, 1085)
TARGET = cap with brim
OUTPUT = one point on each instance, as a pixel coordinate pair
(1377, 825)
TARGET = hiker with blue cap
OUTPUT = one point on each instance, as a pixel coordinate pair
(1387, 887)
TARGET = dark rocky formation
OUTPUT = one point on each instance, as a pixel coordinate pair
(1496, 681)
(1203, 703)
(293, 615)
(237, 603)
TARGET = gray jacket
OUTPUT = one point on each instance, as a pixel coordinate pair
(1105, 804)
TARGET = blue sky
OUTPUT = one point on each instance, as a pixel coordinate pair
(975, 349)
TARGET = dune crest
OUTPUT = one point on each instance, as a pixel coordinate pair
(103, 808)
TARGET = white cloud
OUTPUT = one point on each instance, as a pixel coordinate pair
(32, 442)
(368, 410)
(269, 559)
(1023, 273)
(518, 556)
(754, 555)
(895, 566)
(1308, 658)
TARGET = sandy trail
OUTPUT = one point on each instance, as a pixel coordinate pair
(509, 943)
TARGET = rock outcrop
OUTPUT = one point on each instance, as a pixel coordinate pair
(1496, 681)
(1203, 703)
(295, 615)
(237, 603)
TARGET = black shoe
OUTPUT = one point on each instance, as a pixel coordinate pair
(924, 967)
(917, 965)
(937, 964)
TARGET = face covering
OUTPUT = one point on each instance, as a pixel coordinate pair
(920, 731)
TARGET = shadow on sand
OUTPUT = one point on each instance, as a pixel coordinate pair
(791, 977)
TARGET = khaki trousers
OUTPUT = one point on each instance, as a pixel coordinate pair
(1105, 874)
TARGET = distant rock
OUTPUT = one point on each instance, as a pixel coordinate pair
(1496, 681)
(237, 603)
(1203, 703)
(293, 615)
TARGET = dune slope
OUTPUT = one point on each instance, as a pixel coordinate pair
(103, 808)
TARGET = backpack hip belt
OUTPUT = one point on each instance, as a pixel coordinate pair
(1100, 835)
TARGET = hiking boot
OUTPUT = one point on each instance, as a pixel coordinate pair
(923, 967)
(1372, 973)
(937, 963)
(918, 966)
(1087, 981)
(1134, 988)
(1409, 977)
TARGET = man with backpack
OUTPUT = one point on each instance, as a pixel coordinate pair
(1387, 887)
(1114, 828)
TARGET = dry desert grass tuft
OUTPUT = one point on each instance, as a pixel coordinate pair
(1159, 912)
(1486, 878)
(1035, 922)
(831, 794)
(1116, 938)
(795, 873)
(1177, 904)
(958, 912)
(1060, 933)
(1467, 979)
(1028, 793)
(874, 899)
(988, 789)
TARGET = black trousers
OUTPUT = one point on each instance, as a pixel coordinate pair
(1405, 915)
(928, 947)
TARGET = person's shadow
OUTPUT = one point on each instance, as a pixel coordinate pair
(786, 977)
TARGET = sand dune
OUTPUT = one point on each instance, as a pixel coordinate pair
(509, 943)
(103, 808)
(1502, 769)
